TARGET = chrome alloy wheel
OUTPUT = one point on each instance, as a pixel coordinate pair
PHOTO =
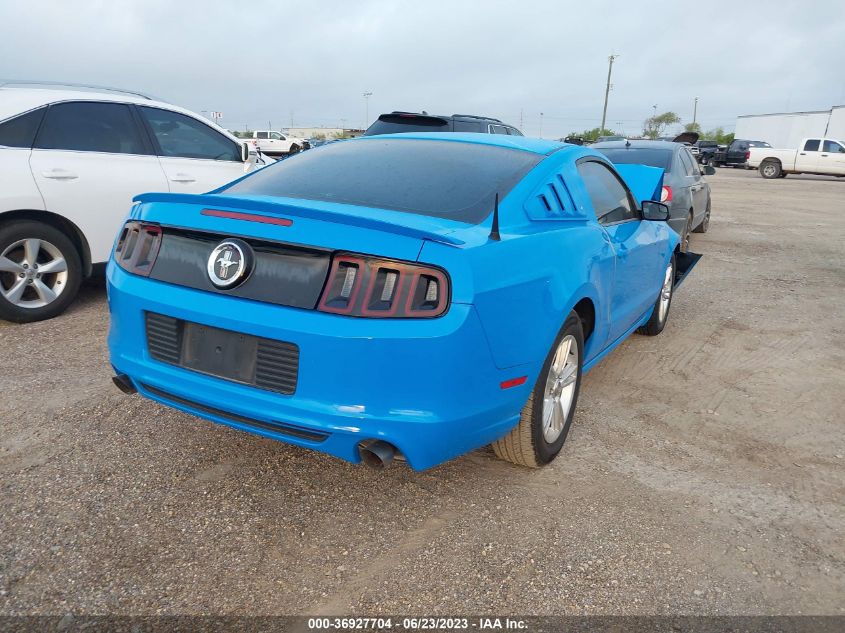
(666, 293)
(769, 170)
(560, 388)
(33, 273)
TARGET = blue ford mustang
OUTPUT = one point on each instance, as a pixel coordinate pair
(413, 295)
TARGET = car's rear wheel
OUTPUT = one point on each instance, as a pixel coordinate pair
(660, 314)
(685, 235)
(705, 223)
(545, 420)
(40, 272)
(770, 169)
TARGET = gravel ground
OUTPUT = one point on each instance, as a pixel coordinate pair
(704, 473)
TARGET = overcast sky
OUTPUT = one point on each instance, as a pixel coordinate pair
(309, 63)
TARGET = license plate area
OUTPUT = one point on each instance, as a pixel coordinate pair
(221, 353)
(264, 363)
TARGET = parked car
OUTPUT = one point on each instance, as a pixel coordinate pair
(824, 156)
(605, 139)
(684, 188)
(276, 143)
(394, 122)
(704, 151)
(736, 154)
(415, 294)
(70, 161)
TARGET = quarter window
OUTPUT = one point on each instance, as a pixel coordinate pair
(182, 136)
(498, 129)
(20, 131)
(87, 126)
(812, 145)
(609, 196)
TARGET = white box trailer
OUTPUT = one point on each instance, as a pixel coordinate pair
(787, 129)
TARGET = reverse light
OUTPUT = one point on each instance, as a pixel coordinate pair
(666, 194)
(383, 288)
(137, 247)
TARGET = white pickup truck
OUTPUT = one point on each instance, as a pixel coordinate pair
(276, 143)
(815, 156)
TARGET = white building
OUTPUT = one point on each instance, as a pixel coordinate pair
(786, 129)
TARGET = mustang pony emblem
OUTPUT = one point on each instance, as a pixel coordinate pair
(229, 263)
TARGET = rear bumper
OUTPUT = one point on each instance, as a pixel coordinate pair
(429, 387)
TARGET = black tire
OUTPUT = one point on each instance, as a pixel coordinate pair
(770, 169)
(705, 223)
(294, 149)
(656, 323)
(525, 444)
(12, 234)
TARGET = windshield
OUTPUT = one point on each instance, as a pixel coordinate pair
(275, 135)
(455, 181)
(661, 158)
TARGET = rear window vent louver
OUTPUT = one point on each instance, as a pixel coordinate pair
(551, 201)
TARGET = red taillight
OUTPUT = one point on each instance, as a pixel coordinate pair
(137, 247)
(666, 194)
(383, 288)
(747, 155)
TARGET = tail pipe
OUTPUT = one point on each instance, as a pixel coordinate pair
(124, 383)
(376, 453)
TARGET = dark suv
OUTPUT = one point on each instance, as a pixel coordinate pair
(395, 122)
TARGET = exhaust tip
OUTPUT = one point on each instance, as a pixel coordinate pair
(376, 453)
(124, 383)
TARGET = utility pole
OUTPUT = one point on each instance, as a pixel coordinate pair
(607, 89)
(520, 120)
(694, 110)
(367, 96)
(541, 125)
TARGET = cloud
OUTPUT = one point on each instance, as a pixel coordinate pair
(310, 62)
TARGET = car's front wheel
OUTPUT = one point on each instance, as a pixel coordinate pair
(545, 420)
(660, 314)
(40, 272)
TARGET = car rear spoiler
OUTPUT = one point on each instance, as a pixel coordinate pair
(684, 263)
(300, 209)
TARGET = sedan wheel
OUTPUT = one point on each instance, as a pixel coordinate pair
(560, 388)
(546, 417)
(40, 272)
(660, 313)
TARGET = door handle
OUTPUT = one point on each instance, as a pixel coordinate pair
(59, 174)
(825, 155)
(803, 153)
(183, 178)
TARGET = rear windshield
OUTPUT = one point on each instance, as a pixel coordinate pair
(639, 156)
(395, 123)
(451, 180)
(758, 144)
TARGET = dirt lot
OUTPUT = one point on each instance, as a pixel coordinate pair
(705, 472)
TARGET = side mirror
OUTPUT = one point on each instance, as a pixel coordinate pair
(244, 152)
(656, 211)
(708, 170)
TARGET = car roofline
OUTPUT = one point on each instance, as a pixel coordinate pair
(62, 85)
(528, 144)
